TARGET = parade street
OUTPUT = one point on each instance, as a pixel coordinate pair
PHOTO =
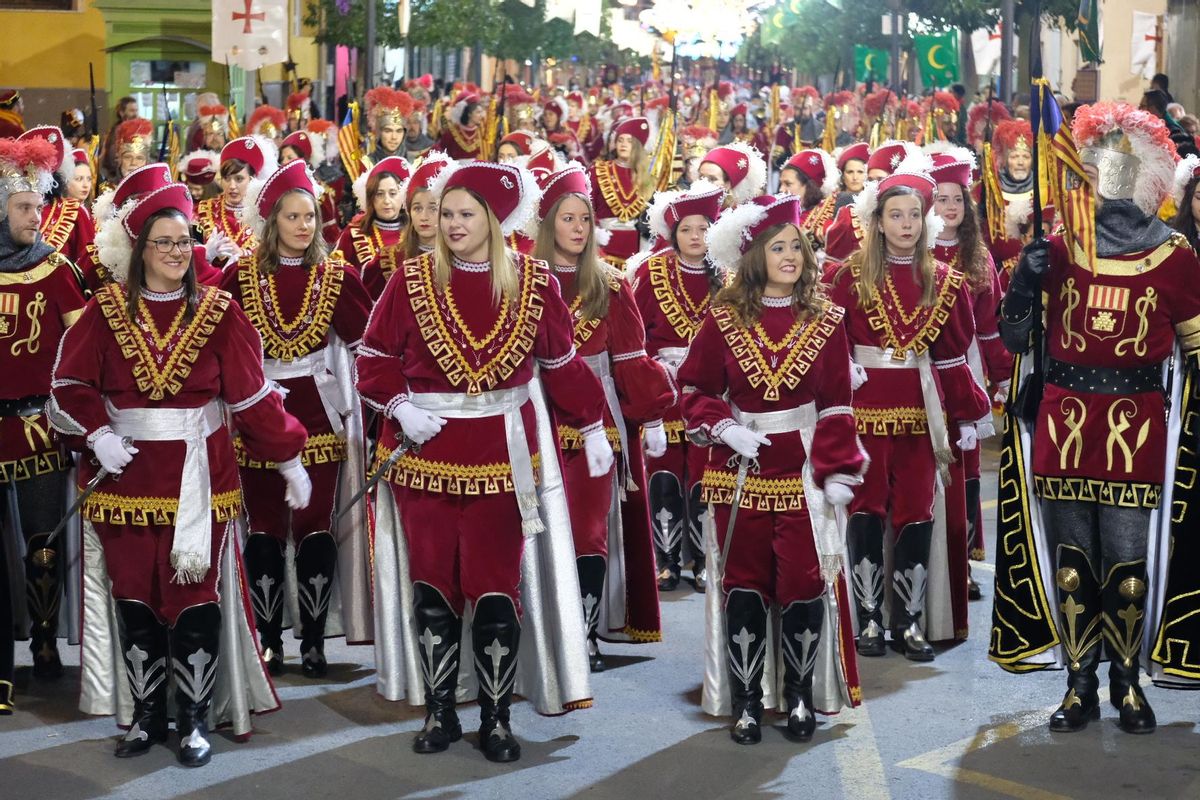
(956, 728)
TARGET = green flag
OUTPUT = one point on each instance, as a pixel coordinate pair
(870, 64)
(771, 31)
(1089, 31)
(938, 56)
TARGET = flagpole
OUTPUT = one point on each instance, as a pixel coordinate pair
(1035, 109)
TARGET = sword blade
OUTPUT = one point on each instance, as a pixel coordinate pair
(405, 446)
(78, 504)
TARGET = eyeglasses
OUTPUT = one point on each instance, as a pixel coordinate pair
(165, 246)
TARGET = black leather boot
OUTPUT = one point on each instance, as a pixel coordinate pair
(864, 534)
(440, 639)
(144, 647)
(801, 636)
(974, 545)
(591, 586)
(1124, 613)
(746, 629)
(6, 698)
(195, 644)
(1079, 628)
(264, 572)
(43, 591)
(667, 521)
(697, 510)
(316, 564)
(910, 576)
(496, 635)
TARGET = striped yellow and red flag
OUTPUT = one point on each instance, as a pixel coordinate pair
(1070, 190)
(349, 143)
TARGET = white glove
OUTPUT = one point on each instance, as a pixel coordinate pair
(599, 453)
(112, 453)
(858, 375)
(744, 441)
(655, 439)
(1001, 393)
(299, 486)
(417, 423)
(838, 494)
(968, 439)
(214, 245)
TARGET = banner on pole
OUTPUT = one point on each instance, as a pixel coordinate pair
(871, 63)
(937, 55)
(249, 33)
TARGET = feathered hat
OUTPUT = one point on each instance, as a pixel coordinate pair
(733, 234)
(743, 165)
(702, 198)
(115, 238)
(424, 171)
(979, 117)
(26, 165)
(267, 121)
(510, 192)
(263, 195)
(912, 173)
(135, 136)
(199, 167)
(65, 168)
(819, 167)
(388, 106)
(397, 167)
(1131, 150)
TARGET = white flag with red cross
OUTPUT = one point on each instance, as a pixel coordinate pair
(249, 33)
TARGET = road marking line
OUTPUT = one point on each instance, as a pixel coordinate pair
(944, 760)
(858, 760)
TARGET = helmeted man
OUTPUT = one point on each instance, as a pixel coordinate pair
(1103, 427)
(39, 298)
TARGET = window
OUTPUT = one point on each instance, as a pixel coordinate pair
(38, 5)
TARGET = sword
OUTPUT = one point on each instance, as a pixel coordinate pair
(738, 490)
(406, 445)
(84, 495)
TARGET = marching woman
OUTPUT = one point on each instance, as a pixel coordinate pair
(448, 360)
(218, 223)
(767, 385)
(610, 337)
(309, 309)
(960, 246)
(420, 230)
(66, 224)
(309, 147)
(462, 135)
(144, 380)
(909, 321)
(622, 187)
(380, 197)
(738, 167)
(1187, 200)
(673, 288)
(812, 175)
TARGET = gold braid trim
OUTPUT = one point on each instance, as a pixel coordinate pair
(891, 421)
(683, 323)
(930, 319)
(318, 316)
(445, 478)
(676, 431)
(150, 380)
(641, 636)
(584, 328)
(435, 330)
(387, 260)
(321, 448)
(1107, 493)
(570, 439)
(626, 204)
(471, 143)
(210, 217)
(802, 345)
(365, 247)
(822, 213)
(116, 509)
(31, 466)
(758, 494)
(61, 221)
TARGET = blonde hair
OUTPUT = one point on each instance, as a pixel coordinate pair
(591, 276)
(871, 260)
(639, 165)
(743, 295)
(505, 281)
(266, 257)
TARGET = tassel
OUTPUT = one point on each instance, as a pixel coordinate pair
(189, 568)
(831, 568)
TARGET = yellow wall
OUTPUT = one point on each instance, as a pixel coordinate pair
(51, 49)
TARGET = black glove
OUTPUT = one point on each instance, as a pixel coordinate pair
(1035, 261)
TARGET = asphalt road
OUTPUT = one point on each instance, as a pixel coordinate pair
(956, 728)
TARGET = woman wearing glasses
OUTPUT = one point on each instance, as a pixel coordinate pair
(144, 380)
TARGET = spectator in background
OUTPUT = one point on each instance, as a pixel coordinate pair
(126, 109)
(1161, 83)
(1156, 101)
(1068, 111)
